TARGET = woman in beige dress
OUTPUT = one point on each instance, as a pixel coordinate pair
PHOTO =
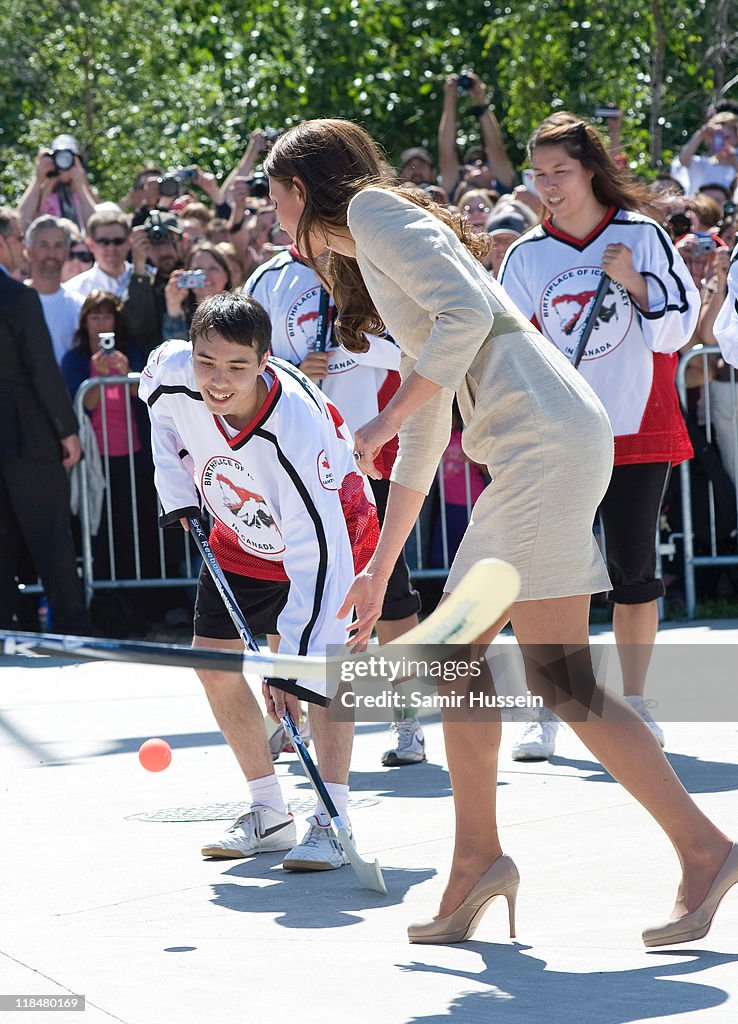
(399, 261)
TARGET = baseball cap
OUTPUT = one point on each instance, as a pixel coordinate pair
(508, 221)
(66, 142)
(415, 153)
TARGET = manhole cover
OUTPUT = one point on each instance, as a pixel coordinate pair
(227, 812)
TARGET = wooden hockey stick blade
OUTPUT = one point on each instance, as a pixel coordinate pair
(368, 873)
(482, 597)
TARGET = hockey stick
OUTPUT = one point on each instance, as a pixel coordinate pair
(484, 594)
(589, 323)
(370, 875)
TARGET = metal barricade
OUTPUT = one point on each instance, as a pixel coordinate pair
(691, 560)
(93, 579)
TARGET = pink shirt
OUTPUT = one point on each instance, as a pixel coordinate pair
(454, 473)
(114, 397)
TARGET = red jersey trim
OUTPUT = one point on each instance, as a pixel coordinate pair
(662, 434)
(261, 416)
(580, 243)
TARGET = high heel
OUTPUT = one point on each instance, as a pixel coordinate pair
(502, 879)
(697, 924)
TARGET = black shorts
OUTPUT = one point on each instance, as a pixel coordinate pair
(630, 514)
(261, 602)
(401, 599)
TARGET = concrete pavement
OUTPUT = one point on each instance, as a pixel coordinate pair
(104, 892)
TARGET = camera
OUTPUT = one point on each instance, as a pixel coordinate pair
(258, 186)
(704, 245)
(271, 134)
(192, 279)
(607, 110)
(717, 140)
(63, 159)
(106, 342)
(170, 185)
(464, 83)
(156, 231)
(187, 174)
(729, 208)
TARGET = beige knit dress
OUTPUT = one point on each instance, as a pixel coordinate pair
(530, 417)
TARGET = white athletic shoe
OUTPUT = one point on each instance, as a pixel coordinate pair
(319, 850)
(641, 705)
(409, 744)
(537, 741)
(260, 830)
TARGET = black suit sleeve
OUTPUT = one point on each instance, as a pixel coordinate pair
(37, 353)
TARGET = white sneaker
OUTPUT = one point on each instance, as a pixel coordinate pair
(537, 741)
(641, 705)
(319, 850)
(409, 744)
(260, 830)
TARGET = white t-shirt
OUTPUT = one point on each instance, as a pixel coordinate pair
(61, 312)
(703, 170)
(96, 278)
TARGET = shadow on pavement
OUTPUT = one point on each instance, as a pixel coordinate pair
(316, 899)
(521, 988)
(696, 775)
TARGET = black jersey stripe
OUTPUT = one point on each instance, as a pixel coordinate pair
(305, 383)
(322, 569)
(172, 389)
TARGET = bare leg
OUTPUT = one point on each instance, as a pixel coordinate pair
(471, 751)
(237, 713)
(625, 746)
(333, 743)
(635, 627)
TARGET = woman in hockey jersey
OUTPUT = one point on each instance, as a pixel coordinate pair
(400, 261)
(592, 226)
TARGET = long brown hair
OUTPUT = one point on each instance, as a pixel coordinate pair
(612, 185)
(335, 159)
(101, 302)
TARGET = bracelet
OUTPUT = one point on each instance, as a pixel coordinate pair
(381, 575)
(478, 111)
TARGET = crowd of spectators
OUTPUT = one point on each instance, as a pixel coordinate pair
(137, 268)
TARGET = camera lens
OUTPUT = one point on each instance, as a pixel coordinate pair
(63, 159)
(169, 185)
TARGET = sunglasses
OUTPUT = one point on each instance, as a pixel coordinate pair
(82, 255)
(111, 241)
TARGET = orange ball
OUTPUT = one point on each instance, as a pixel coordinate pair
(155, 755)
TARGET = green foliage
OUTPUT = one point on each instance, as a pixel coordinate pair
(184, 81)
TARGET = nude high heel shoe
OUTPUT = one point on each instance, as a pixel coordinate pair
(697, 924)
(502, 879)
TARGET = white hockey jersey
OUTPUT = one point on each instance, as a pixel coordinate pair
(358, 384)
(630, 359)
(726, 322)
(287, 500)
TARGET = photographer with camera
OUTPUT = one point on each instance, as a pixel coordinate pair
(60, 186)
(206, 272)
(720, 136)
(156, 251)
(490, 168)
(260, 143)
